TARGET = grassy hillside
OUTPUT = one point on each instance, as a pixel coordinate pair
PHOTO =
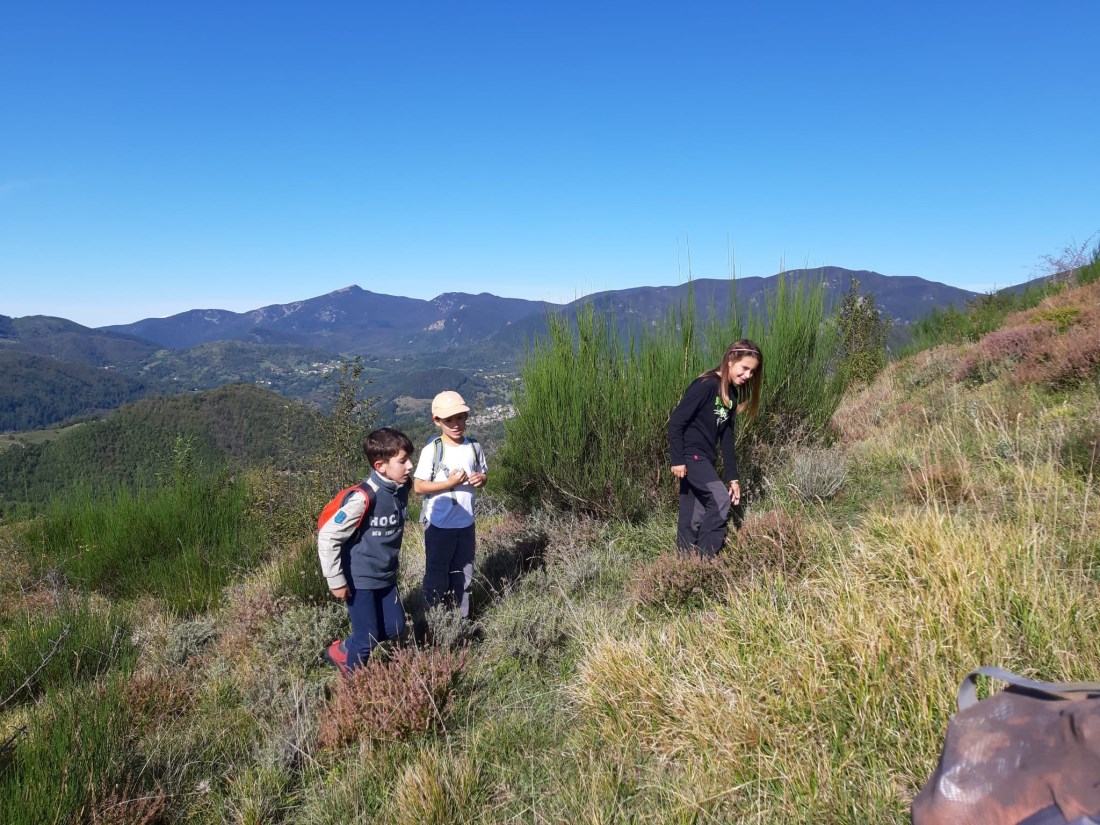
(805, 677)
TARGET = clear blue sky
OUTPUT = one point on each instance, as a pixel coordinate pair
(163, 156)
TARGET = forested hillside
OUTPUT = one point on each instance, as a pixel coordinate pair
(36, 390)
(234, 424)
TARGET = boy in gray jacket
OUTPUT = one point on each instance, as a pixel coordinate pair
(359, 545)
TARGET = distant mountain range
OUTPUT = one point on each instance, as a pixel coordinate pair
(55, 369)
(356, 321)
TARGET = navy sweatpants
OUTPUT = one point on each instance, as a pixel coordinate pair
(449, 566)
(376, 615)
(704, 508)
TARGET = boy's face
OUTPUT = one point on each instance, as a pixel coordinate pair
(396, 468)
(453, 426)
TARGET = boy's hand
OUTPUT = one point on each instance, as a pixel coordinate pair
(341, 593)
(457, 477)
(477, 479)
(679, 470)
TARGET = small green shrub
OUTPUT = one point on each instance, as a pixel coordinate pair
(182, 543)
(188, 639)
(298, 636)
(1061, 317)
(590, 431)
(816, 474)
(447, 630)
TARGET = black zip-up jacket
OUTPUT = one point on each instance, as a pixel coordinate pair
(699, 422)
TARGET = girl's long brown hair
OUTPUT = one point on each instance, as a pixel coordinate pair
(749, 394)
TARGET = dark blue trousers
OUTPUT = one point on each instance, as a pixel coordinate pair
(449, 566)
(376, 615)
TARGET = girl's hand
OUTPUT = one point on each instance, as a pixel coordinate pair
(679, 470)
(735, 492)
(341, 593)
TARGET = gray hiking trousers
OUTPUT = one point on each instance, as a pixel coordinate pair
(704, 508)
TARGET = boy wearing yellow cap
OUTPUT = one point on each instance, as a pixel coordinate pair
(450, 470)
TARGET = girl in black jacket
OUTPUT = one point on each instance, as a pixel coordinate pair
(703, 419)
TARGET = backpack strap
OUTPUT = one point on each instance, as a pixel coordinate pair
(437, 454)
(479, 456)
(370, 492)
(968, 690)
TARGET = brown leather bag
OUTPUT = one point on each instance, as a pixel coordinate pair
(1029, 755)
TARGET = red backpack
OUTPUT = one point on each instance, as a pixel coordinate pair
(367, 488)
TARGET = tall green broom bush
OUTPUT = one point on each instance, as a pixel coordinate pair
(74, 750)
(590, 431)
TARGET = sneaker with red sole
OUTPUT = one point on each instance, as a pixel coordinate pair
(336, 654)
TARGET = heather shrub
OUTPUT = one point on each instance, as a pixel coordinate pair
(678, 580)
(999, 352)
(504, 556)
(981, 315)
(248, 608)
(946, 479)
(156, 699)
(128, 803)
(406, 695)
(772, 541)
(1072, 359)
